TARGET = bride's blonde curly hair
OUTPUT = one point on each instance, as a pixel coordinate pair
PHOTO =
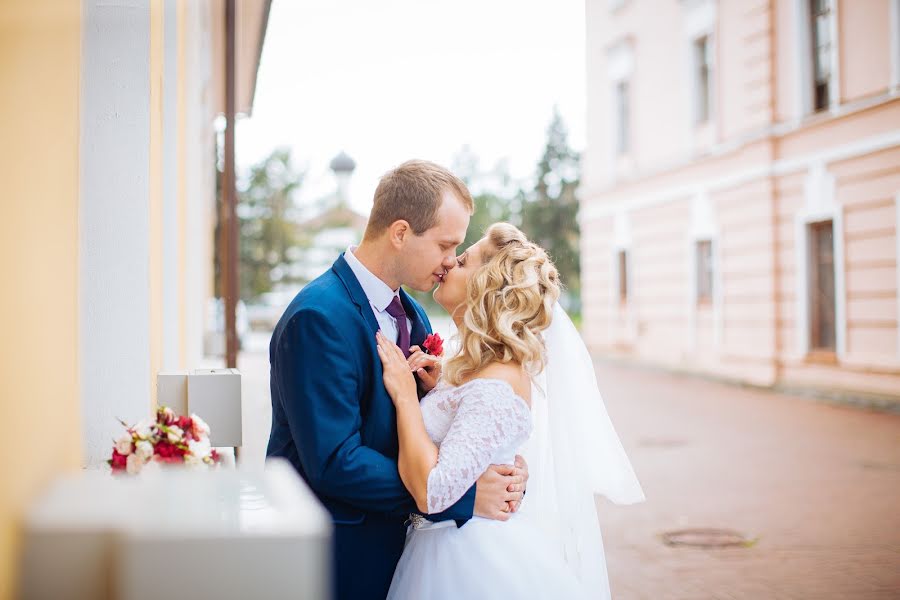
(509, 302)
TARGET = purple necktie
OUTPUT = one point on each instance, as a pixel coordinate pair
(395, 309)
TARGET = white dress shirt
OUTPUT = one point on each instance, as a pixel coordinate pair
(380, 296)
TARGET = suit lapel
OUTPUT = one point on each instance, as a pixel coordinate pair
(358, 295)
(354, 289)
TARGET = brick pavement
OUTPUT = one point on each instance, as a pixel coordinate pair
(818, 485)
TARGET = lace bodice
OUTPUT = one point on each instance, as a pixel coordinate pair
(475, 425)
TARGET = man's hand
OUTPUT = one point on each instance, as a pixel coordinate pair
(521, 470)
(493, 500)
(426, 366)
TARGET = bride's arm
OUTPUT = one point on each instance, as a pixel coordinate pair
(490, 417)
(418, 454)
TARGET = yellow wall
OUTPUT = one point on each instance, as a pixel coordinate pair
(40, 48)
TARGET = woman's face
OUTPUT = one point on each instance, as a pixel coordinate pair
(451, 293)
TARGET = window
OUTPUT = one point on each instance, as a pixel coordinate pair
(623, 275)
(622, 117)
(704, 271)
(821, 286)
(702, 49)
(821, 14)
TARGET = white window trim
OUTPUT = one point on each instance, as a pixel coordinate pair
(820, 205)
(699, 22)
(704, 228)
(620, 67)
(803, 101)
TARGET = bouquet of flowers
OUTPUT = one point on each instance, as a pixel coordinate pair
(170, 439)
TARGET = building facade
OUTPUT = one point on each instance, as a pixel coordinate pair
(741, 190)
(108, 159)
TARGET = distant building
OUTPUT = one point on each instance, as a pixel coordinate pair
(331, 231)
(741, 190)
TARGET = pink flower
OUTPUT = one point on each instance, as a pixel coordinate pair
(200, 428)
(165, 415)
(134, 464)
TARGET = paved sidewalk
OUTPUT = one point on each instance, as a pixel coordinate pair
(818, 485)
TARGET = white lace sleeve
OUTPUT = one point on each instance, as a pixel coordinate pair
(490, 417)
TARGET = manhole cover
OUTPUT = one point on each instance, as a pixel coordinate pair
(878, 466)
(706, 538)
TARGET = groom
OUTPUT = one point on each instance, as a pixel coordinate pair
(331, 415)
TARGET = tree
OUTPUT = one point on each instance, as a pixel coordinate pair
(489, 209)
(550, 211)
(267, 229)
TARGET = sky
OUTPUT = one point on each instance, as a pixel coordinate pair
(390, 80)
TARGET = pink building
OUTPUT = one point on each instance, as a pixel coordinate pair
(741, 190)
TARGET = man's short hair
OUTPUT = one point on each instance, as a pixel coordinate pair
(412, 192)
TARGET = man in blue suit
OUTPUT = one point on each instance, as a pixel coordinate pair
(331, 416)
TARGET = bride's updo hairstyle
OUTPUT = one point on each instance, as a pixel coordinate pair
(509, 302)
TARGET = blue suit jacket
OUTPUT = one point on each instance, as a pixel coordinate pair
(334, 421)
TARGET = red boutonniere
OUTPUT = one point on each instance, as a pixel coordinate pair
(434, 345)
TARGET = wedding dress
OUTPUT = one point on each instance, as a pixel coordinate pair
(552, 547)
(479, 423)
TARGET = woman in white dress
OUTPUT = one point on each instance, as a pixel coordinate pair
(502, 296)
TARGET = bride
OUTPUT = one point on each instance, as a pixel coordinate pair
(521, 378)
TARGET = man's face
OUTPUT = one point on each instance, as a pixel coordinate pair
(428, 257)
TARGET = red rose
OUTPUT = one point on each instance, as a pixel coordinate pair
(164, 449)
(118, 462)
(434, 345)
(187, 426)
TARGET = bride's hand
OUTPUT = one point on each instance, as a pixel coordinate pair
(426, 366)
(398, 379)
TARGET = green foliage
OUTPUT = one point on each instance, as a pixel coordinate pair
(550, 211)
(268, 233)
(489, 209)
(266, 228)
(547, 213)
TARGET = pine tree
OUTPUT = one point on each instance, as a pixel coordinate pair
(550, 211)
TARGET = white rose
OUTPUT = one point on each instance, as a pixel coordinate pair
(200, 448)
(175, 434)
(133, 464)
(144, 450)
(123, 444)
(142, 430)
(201, 429)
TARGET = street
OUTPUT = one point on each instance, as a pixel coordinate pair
(814, 487)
